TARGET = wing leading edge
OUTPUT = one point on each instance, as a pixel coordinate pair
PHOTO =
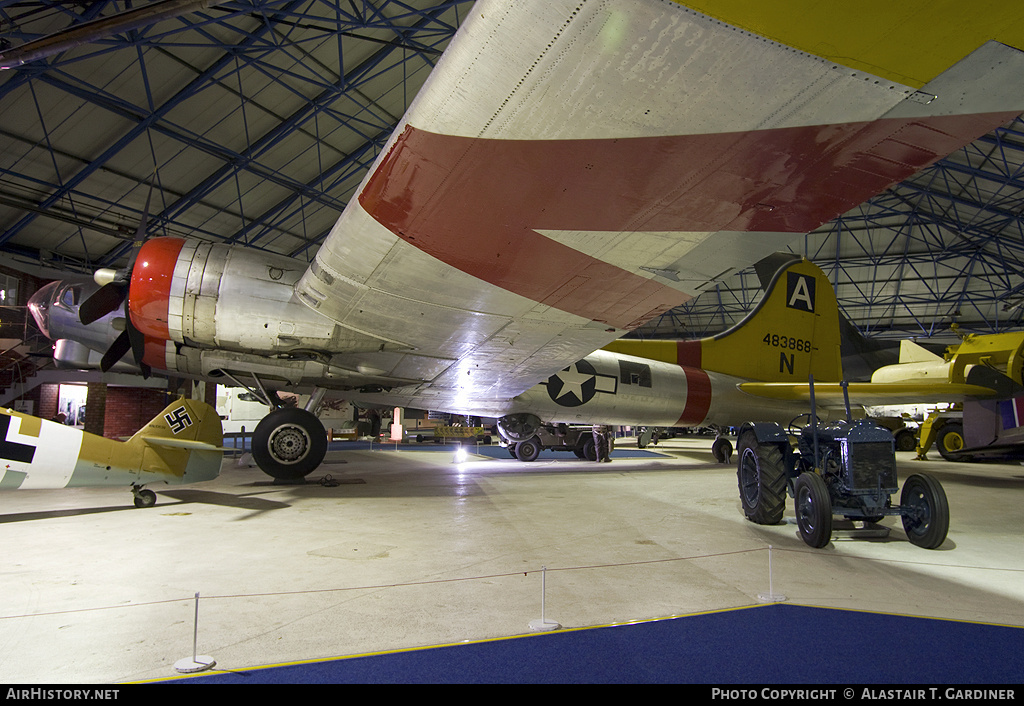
(571, 170)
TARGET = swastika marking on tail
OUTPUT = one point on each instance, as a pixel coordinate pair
(178, 420)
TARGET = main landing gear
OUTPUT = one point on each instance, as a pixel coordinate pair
(289, 443)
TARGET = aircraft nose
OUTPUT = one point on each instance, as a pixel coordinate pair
(39, 306)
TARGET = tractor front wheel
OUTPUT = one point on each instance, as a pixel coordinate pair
(813, 510)
(925, 511)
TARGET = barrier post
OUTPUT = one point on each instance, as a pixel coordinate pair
(198, 662)
(543, 624)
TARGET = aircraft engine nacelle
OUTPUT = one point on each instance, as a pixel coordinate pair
(72, 355)
(210, 295)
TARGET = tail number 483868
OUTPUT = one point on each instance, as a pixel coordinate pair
(800, 345)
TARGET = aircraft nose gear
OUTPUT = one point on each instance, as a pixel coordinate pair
(289, 443)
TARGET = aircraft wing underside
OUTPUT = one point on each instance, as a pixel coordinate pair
(573, 169)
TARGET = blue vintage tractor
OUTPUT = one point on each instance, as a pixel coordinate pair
(845, 468)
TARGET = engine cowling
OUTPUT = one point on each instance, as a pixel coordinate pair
(149, 295)
(215, 296)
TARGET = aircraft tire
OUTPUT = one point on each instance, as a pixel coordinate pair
(518, 427)
(762, 481)
(644, 438)
(813, 510)
(927, 523)
(951, 442)
(721, 449)
(289, 443)
(145, 498)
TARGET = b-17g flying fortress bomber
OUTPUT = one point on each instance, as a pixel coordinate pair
(570, 170)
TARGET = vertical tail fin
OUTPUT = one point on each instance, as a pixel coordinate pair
(791, 334)
(184, 420)
(182, 444)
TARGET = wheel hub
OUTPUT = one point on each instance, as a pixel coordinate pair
(748, 469)
(806, 509)
(289, 444)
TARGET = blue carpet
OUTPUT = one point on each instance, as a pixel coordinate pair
(770, 644)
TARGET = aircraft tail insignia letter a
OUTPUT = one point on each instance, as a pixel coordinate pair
(800, 292)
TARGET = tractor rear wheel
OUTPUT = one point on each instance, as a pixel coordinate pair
(762, 480)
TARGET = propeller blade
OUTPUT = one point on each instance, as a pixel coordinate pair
(112, 294)
(140, 233)
(104, 300)
(118, 348)
(138, 346)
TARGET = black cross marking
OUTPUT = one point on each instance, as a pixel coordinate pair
(12, 450)
(178, 420)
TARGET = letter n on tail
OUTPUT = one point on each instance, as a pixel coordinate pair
(786, 362)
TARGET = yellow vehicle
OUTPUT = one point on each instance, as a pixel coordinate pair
(979, 425)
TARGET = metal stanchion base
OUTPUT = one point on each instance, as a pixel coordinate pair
(771, 597)
(544, 625)
(189, 665)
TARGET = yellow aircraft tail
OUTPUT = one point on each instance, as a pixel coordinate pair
(182, 444)
(791, 334)
(183, 423)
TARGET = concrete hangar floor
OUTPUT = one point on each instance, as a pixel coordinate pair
(404, 549)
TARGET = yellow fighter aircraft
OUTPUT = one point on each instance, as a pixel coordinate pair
(180, 445)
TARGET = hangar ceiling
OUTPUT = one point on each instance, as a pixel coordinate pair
(257, 120)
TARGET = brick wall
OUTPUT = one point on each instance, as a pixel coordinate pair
(47, 406)
(128, 409)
